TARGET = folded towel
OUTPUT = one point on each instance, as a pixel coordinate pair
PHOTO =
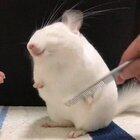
(30, 119)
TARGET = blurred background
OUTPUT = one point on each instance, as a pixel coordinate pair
(109, 32)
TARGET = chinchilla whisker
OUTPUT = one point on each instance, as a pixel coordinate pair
(43, 21)
(94, 13)
(55, 12)
(100, 12)
(75, 5)
(100, 5)
(51, 13)
(69, 10)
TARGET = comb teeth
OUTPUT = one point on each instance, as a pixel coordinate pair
(88, 92)
(99, 84)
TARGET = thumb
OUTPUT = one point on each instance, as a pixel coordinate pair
(132, 52)
(123, 76)
(131, 71)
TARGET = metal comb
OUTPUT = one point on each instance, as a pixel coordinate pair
(98, 85)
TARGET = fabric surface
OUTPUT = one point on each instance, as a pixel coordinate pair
(24, 123)
(3, 112)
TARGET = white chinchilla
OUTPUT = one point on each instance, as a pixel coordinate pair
(65, 63)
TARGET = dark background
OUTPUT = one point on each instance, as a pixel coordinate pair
(111, 33)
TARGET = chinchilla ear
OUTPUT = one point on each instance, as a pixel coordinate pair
(73, 19)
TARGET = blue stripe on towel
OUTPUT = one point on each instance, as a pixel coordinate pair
(112, 132)
(3, 113)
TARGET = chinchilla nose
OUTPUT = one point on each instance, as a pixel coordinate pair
(31, 46)
(34, 49)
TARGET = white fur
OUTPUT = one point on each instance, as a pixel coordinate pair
(129, 98)
(68, 65)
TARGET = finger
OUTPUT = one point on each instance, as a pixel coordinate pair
(2, 74)
(133, 51)
(131, 71)
(120, 80)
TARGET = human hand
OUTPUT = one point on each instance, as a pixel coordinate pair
(2, 77)
(133, 70)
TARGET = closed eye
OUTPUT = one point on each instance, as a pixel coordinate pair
(49, 52)
(52, 51)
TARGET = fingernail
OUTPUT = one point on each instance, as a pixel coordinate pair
(120, 80)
